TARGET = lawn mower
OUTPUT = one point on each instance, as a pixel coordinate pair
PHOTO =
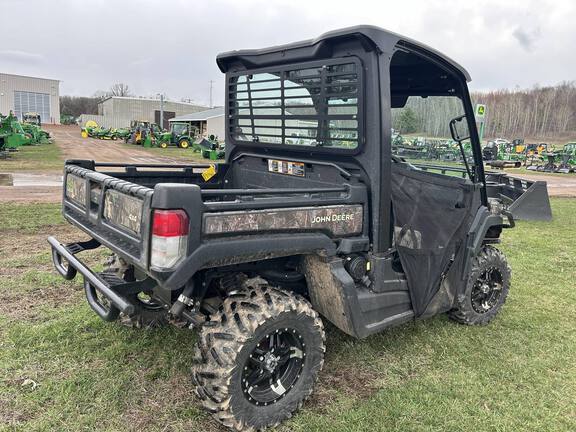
(89, 129)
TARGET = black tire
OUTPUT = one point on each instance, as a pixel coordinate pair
(486, 290)
(228, 347)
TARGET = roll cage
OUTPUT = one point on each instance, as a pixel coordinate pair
(393, 68)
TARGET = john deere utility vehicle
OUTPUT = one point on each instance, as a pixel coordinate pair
(181, 134)
(258, 251)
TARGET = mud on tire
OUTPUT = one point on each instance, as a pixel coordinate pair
(486, 290)
(236, 347)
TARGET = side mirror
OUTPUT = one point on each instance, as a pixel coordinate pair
(459, 130)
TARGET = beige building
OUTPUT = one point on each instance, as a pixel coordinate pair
(21, 94)
(208, 122)
(119, 111)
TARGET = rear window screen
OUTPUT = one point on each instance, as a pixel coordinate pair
(312, 105)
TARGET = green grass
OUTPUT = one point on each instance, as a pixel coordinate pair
(45, 157)
(62, 368)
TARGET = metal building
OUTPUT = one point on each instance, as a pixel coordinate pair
(22, 94)
(209, 122)
(119, 111)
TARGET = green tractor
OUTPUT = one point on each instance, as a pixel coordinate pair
(143, 133)
(32, 125)
(12, 135)
(181, 134)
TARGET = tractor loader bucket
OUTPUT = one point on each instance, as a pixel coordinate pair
(525, 199)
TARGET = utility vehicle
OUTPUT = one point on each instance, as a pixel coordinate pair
(260, 250)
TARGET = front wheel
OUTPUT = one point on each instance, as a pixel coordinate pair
(486, 289)
(184, 143)
(260, 358)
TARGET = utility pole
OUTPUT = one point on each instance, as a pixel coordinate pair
(211, 82)
(161, 111)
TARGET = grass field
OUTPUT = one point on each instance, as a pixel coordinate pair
(62, 368)
(45, 157)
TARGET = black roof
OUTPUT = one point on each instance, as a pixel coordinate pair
(381, 39)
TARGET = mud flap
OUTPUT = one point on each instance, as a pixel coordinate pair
(328, 281)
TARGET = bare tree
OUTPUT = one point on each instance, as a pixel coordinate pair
(119, 89)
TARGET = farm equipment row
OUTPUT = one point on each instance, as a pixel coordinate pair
(499, 153)
(535, 157)
(429, 149)
(14, 134)
(147, 134)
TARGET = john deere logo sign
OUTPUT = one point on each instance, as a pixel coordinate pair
(480, 111)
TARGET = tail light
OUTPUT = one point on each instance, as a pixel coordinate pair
(169, 237)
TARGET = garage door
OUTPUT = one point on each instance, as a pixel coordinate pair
(32, 102)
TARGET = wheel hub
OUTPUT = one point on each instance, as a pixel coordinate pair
(273, 367)
(487, 289)
(271, 361)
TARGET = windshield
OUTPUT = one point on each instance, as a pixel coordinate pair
(421, 132)
(316, 104)
(180, 128)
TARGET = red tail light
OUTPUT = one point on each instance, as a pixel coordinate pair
(169, 237)
(170, 223)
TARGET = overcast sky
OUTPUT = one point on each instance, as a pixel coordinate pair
(170, 46)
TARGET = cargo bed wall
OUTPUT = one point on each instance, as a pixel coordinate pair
(257, 172)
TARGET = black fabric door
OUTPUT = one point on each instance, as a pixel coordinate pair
(431, 217)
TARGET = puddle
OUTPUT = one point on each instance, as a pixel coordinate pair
(6, 179)
(26, 179)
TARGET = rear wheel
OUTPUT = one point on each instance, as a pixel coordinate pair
(260, 357)
(184, 143)
(486, 289)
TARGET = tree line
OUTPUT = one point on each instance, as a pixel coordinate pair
(74, 106)
(545, 112)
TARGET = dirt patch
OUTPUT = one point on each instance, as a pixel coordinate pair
(30, 194)
(358, 383)
(30, 306)
(14, 245)
(24, 257)
(73, 146)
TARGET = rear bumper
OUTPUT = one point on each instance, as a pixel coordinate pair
(97, 285)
